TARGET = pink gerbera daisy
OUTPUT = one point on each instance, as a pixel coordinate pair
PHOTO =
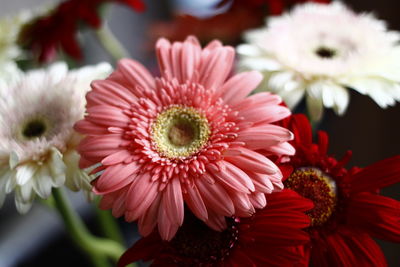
(189, 137)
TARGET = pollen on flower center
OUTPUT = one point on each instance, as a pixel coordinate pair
(180, 131)
(198, 245)
(325, 52)
(317, 186)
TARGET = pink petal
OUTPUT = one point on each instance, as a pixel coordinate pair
(252, 161)
(117, 157)
(216, 222)
(195, 202)
(141, 195)
(111, 93)
(191, 51)
(166, 228)
(148, 220)
(163, 47)
(107, 116)
(87, 127)
(282, 149)
(233, 177)
(239, 86)
(215, 197)
(243, 206)
(173, 201)
(259, 99)
(137, 75)
(258, 200)
(262, 137)
(115, 177)
(215, 67)
(265, 114)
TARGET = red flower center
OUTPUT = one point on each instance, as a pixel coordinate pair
(317, 186)
(197, 244)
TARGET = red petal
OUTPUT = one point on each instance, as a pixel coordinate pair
(378, 175)
(145, 249)
(377, 215)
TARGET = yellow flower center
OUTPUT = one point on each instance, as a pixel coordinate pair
(317, 186)
(180, 132)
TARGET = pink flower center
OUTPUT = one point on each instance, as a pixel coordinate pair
(317, 186)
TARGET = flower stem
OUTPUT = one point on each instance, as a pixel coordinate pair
(108, 224)
(98, 249)
(111, 43)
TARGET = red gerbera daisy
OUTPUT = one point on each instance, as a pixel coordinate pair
(270, 238)
(58, 29)
(348, 210)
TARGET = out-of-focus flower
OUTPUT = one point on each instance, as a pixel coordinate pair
(10, 27)
(274, 7)
(58, 30)
(189, 136)
(348, 210)
(227, 27)
(269, 238)
(37, 140)
(306, 53)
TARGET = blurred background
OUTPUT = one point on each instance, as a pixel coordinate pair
(38, 238)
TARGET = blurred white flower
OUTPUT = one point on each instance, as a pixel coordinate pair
(37, 141)
(10, 27)
(322, 50)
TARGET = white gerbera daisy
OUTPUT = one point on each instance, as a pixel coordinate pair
(322, 50)
(37, 141)
(10, 26)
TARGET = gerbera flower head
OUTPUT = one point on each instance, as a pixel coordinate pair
(269, 238)
(348, 210)
(306, 53)
(191, 136)
(37, 140)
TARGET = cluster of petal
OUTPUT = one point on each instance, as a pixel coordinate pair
(269, 238)
(58, 30)
(55, 98)
(361, 214)
(228, 175)
(304, 53)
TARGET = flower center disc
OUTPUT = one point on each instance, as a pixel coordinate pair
(180, 132)
(317, 186)
(34, 128)
(325, 52)
(198, 245)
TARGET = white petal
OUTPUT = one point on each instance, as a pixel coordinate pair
(57, 168)
(25, 173)
(43, 182)
(315, 108)
(22, 206)
(293, 97)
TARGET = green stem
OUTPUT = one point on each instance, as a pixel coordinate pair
(98, 249)
(111, 43)
(108, 224)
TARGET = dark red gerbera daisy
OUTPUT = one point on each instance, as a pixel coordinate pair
(272, 237)
(348, 210)
(58, 30)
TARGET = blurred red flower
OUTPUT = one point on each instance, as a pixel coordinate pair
(348, 210)
(57, 30)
